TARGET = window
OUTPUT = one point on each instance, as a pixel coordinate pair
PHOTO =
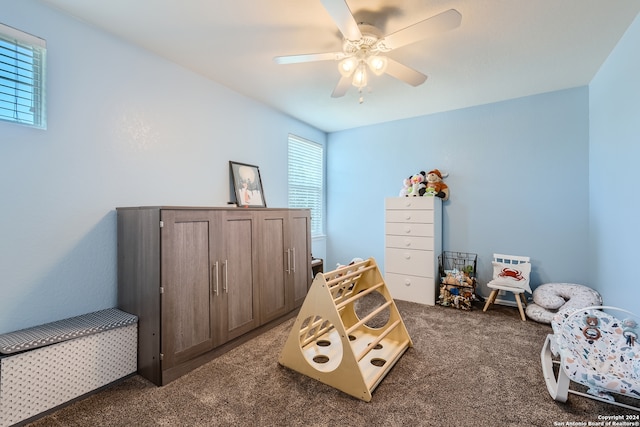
(22, 62)
(306, 161)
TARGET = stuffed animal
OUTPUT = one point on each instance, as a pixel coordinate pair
(417, 186)
(406, 187)
(457, 278)
(353, 261)
(435, 185)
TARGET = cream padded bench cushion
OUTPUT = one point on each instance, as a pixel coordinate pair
(552, 298)
(63, 330)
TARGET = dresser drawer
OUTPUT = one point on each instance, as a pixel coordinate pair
(409, 261)
(409, 242)
(411, 216)
(411, 288)
(410, 202)
(409, 229)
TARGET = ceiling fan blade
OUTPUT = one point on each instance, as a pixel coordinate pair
(404, 73)
(342, 87)
(343, 18)
(296, 59)
(442, 22)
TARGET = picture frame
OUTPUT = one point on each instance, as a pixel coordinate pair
(247, 185)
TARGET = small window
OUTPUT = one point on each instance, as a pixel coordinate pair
(22, 71)
(306, 166)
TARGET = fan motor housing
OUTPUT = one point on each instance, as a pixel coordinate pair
(370, 37)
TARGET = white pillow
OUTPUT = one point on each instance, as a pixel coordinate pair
(512, 275)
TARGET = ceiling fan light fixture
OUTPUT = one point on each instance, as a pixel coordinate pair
(364, 48)
(347, 66)
(378, 64)
(360, 78)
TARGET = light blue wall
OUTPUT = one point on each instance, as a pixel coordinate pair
(128, 128)
(125, 128)
(518, 177)
(614, 107)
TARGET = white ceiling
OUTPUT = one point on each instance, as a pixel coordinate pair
(503, 49)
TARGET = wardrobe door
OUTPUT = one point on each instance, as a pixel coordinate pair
(186, 285)
(273, 264)
(236, 267)
(300, 250)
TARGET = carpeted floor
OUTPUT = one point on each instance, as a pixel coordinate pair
(466, 368)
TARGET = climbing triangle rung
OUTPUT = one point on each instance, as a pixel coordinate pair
(375, 379)
(369, 316)
(375, 342)
(342, 277)
(359, 295)
(304, 330)
(315, 336)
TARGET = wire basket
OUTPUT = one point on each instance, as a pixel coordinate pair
(461, 261)
(458, 279)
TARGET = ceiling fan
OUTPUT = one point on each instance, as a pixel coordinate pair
(364, 46)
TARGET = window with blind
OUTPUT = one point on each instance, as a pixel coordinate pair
(22, 71)
(306, 171)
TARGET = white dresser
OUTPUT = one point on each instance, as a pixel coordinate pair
(413, 242)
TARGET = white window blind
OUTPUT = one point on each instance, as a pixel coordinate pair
(22, 72)
(306, 172)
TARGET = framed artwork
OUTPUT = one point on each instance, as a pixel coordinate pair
(247, 185)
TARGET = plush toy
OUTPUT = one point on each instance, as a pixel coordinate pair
(353, 261)
(406, 187)
(436, 186)
(445, 296)
(418, 184)
(457, 278)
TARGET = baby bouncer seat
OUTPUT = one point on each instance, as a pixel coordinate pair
(598, 348)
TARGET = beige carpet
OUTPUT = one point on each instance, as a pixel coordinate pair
(467, 368)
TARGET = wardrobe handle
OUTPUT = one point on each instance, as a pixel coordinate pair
(217, 274)
(288, 269)
(226, 277)
(293, 264)
(211, 289)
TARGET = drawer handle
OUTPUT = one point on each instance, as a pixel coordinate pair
(407, 243)
(407, 256)
(407, 282)
(407, 217)
(407, 230)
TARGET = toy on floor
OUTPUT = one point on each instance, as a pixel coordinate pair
(457, 271)
(595, 347)
(552, 298)
(457, 289)
(353, 261)
(348, 333)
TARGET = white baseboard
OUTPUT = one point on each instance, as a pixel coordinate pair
(510, 303)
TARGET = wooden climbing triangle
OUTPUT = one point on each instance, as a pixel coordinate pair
(348, 333)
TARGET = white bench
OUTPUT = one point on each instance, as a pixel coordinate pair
(49, 365)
